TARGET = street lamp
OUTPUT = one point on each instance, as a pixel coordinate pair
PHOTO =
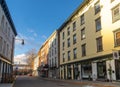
(21, 40)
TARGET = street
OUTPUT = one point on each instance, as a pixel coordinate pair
(29, 81)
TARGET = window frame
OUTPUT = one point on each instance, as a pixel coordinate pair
(74, 39)
(74, 25)
(75, 53)
(96, 24)
(69, 55)
(83, 48)
(63, 57)
(68, 31)
(83, 36)
(68, 42)
(115, 42)
(97, 9)
(114, 18)
(99, 44)
(82, 19)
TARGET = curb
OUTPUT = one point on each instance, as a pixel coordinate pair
(82, 83)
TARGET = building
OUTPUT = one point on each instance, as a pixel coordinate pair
(88, 39)
(43, 60)
(21, 69)
(49, 57)
(7, 37)
(53, 54)
(36, 65)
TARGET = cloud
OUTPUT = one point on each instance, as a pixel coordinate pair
(44, 37)
(32, 32)
(20, 59)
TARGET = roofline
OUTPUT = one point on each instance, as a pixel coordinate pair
(69, 18)
(47, 39)
(7, 14)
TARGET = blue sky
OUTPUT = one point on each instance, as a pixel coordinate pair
(35, 20)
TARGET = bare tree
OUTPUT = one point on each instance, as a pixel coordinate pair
(31, 54)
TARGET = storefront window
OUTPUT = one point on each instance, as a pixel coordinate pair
(76, 74)
(101, 67)
(86, 70)
(69, 72)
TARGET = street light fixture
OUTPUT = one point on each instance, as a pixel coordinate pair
(21, 40)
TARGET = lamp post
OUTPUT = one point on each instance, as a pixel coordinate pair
(22, 41)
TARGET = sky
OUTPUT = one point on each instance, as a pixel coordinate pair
(35, 20)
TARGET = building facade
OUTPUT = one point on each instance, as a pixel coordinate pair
(7, 37)
(53, 55)
(36, 65)
(43, 60)
(88, 39)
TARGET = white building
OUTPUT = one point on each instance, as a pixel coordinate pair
(53, 55)
(7, 36)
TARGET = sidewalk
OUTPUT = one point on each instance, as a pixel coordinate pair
(6, 85)
(86, 82)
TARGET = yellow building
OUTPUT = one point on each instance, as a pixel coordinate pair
(88, 39)
(43, 60)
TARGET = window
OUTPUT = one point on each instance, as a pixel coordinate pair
(68, 42)
(55, 61)
(99, 44)
(2, 23)
(7, 49)
(55, 41)
(63, 57)
(84, 50)
(68, 55)
(74, 38)
(83, 34)
(75, 53)
(97, 7)
(74, 26)
(52, 52)
(63, 45)
(63, 35)
(0, 44)
(82, 19)
(68, 31)
(116, 13)
(4, 48)
(98, 24)
(117, 38)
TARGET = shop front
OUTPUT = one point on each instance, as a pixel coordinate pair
(75, 71)
(101, 70)
(117, 67)
(69, 72)
(86, 69)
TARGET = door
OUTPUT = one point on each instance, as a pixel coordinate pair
(117, 66)
(101, 69)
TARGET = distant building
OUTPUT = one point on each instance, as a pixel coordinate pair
(7, 37)
(53, 54)
(43, 60)
(88, 39)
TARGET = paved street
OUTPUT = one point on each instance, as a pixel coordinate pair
(24, 81)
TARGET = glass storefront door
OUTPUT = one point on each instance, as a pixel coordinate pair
(69, 72)
(101, 69)
(117, 67)
(86, 70)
